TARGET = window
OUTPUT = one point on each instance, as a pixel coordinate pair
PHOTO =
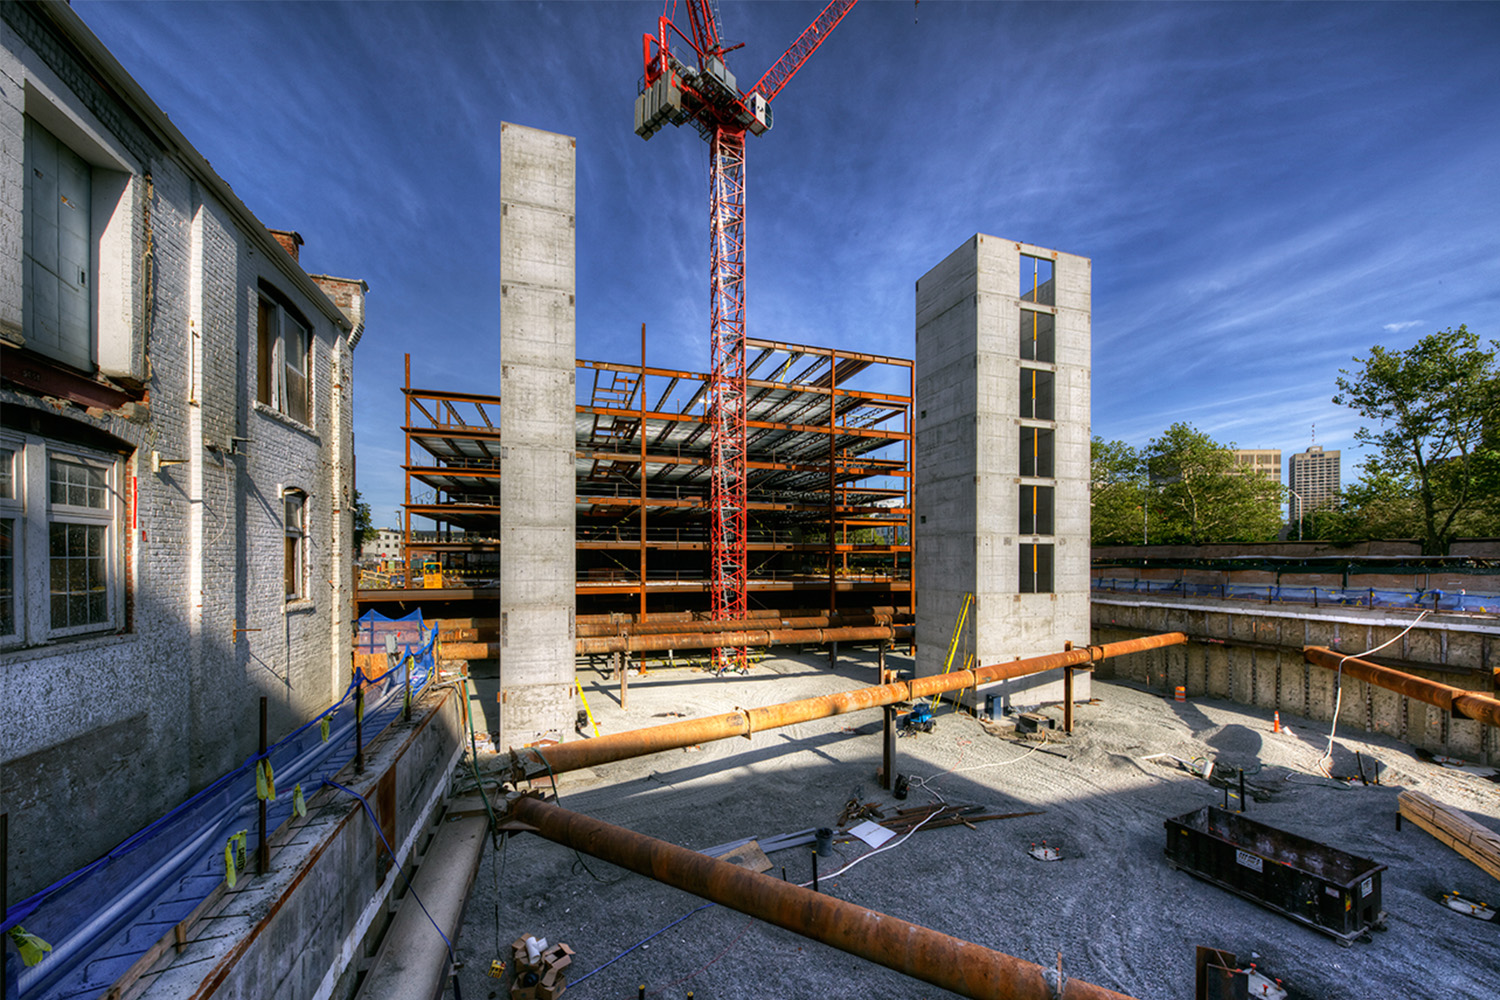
(9, 519)
(1038, 336)
(296, 544)
(1036, 452)
(283, 360)
(1037, 394)
(1036, 569)
(1036, 510)
(59, 506)
(57, 306)
(1038, 282)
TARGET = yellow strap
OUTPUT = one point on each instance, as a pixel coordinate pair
(299, 804)
(230, 876)
(31, 947)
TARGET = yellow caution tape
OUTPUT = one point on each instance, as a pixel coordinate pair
(265, 780)
(230, 875)
(299, 804)
(31, 947)
(323, 728)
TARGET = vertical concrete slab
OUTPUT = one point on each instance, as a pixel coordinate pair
(537, 334)
(969, 463)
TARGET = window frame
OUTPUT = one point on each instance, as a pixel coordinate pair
(87, 516)
(13, 510)
(279, 326)
(295, 548)
(34, 513)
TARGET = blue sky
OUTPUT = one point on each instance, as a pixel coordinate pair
(1265, 190)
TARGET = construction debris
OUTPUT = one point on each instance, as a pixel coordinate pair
(907, 820)
(541, 971)
(1468, 907)
(1479, 844)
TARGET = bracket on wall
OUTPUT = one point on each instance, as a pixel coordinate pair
(235, 630)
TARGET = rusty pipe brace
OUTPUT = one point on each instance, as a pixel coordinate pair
(920, 952)
(637, 743)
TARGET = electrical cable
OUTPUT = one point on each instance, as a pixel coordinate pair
(1325, 762)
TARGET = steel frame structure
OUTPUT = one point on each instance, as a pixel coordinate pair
(826, 519)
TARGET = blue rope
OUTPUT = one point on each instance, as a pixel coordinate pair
(642, 941)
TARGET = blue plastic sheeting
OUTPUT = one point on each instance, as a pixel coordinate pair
(1266, 593)
(101, 918)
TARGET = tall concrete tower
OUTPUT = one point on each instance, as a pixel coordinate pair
(1002, 460)
(536, 426)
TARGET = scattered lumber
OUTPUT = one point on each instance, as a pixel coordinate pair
(907, 820)
(1479, 844)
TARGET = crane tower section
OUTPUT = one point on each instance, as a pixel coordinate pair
(706, 95)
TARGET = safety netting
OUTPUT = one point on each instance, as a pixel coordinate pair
(90, 927)
(1267, 593)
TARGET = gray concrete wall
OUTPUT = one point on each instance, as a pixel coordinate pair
(968, 406)
(1253, 656)
(536, 424)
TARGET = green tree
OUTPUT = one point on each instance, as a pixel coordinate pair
(364, 529)
(1116, 493)
(1437, 408)
(1202, 496)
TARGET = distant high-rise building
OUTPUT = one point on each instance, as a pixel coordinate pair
(1266, 461)
(1313, 479)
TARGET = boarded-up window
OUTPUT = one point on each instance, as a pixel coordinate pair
(57, 308)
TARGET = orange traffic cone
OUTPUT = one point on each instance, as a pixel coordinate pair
(1276, 721)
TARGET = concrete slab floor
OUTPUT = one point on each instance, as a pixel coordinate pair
(1118, 914)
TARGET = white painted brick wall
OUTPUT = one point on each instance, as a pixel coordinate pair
(98, 736)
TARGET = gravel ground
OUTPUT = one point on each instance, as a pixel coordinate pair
(1117, 913)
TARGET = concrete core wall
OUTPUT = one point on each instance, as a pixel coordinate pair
(1002, 460)
(537, 322)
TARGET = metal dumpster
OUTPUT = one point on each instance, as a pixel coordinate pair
(1317, 885)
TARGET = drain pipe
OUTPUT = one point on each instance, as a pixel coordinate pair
(529, 762)
(966, 968)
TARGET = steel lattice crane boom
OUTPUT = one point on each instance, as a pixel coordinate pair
(706, 95)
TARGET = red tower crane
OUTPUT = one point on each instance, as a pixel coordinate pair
(674, 92)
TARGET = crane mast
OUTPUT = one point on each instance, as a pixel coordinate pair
(706, 95)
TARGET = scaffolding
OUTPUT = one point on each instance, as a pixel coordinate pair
(828, 483)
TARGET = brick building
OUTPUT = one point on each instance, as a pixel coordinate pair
(176, 467)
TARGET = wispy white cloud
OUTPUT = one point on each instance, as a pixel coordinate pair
(1405, 325)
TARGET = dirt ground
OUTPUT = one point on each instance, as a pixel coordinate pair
(1119, 915)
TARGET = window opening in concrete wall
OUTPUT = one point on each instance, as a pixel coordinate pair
(1038, 280)
(1036, 510)
(283, 359)
(57, 300)
(296, 544)
(1036, 569)
(1037, 394)
(1038, 336)
(1036, 450)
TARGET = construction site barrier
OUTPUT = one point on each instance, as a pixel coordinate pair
(1267, 593)
(101, 918)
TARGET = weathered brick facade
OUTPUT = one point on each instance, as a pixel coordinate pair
(102, 729)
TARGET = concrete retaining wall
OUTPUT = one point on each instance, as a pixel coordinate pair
(305, 931)
(1253, 656)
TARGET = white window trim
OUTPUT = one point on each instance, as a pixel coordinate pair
(35, 514)
(13, 508)
(303, 598)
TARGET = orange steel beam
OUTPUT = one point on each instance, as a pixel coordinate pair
(772, 425)
(639, 742)
(1460, 701)
(588, 630)
(731, 639)
(920, 952)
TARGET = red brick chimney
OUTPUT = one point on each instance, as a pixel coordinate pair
(290, 241)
